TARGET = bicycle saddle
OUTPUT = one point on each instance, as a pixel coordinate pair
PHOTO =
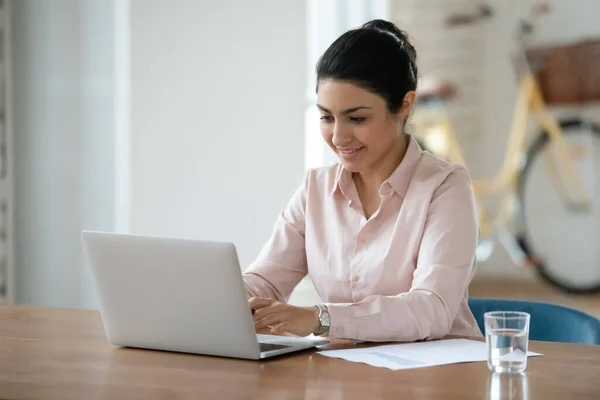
(430, 88)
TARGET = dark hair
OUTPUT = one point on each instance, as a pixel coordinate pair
(377, 56)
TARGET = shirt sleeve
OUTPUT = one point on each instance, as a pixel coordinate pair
(281, 264)
(446, 260)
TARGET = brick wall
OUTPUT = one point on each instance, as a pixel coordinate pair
(454, 54)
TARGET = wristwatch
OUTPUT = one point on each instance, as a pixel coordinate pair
(323, 320)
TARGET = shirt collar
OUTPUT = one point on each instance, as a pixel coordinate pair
(341, 180)
(402, 175)
(398, 180)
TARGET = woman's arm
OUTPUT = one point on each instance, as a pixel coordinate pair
(444, 269)
(282, 262)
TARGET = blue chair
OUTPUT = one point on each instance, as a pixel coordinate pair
(548, 322)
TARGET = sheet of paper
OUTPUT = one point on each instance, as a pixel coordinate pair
(417, 355)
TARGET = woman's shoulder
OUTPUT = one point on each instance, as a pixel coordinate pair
(434, 168)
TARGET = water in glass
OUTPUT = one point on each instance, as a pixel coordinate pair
(507, 350)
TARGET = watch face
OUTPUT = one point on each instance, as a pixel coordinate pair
(325, 319)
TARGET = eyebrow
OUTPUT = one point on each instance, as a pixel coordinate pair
(346, 111)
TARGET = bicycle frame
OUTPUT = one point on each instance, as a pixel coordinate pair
(436, 133)
(441, 138)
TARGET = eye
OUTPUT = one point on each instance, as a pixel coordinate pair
(358, 120)
(326, 118)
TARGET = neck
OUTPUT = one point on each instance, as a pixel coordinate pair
(372, 178)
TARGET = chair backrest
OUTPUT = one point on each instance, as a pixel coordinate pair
(549, 322)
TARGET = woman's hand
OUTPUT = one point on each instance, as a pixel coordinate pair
(283, 318)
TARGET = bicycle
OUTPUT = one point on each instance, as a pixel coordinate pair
(528, 236)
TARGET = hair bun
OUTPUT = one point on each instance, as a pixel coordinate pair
(387, 27)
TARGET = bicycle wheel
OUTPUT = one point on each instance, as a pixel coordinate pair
(564, 242)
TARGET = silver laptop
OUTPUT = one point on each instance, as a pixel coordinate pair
(178, 295)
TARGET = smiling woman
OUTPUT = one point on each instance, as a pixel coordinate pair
(388, 234)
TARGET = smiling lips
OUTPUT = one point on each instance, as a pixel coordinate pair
(350, 152)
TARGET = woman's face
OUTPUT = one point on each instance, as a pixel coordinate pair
(358, 125)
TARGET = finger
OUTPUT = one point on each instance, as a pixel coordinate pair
(280, 328)
(271, 320)
(264, 331)
(272, 309)
(259, 302)
(282, 315)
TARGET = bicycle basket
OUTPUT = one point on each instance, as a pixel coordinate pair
(568, 73)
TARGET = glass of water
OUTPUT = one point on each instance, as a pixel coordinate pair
(507, 336)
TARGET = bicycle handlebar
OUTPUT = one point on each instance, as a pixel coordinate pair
(460, 19)
(483, 11)
(523, 31)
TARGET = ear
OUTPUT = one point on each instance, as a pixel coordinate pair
(407, 104)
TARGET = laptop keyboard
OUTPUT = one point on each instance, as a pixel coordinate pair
(271, 346)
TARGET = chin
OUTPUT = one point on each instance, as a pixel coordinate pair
(351, 166)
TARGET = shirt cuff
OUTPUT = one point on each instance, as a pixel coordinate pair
(340, 321)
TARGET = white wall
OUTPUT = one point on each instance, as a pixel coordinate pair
(212, 147)
(63, 118)
(216, 117)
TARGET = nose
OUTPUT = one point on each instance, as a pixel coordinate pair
(341, 135)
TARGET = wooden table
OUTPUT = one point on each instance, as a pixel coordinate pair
(48, 353)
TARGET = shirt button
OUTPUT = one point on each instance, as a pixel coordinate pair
(355, 278)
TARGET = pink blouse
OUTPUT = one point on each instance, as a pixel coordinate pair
(401, 275)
